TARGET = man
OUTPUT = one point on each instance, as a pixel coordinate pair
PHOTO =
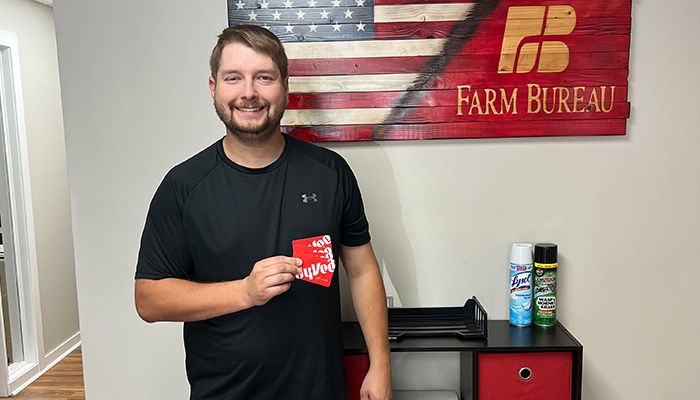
(216, 247)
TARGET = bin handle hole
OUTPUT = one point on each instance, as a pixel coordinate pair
(525, 373)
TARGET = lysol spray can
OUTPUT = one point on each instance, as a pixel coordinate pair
(521, 284)
(545, 284)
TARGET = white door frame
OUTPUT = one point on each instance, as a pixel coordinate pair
(12, 128)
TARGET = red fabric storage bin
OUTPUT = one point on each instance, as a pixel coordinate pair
(524, 376)
(356, 368)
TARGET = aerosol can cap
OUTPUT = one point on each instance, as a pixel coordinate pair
(546, 253)
(521, 253)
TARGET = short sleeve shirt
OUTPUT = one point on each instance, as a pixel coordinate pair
(211, 220)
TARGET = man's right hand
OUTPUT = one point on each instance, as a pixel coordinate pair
(173, 299)
(270, 277)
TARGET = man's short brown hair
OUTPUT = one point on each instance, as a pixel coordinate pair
(255, 37)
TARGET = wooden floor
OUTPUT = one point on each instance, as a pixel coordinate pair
(63, 381)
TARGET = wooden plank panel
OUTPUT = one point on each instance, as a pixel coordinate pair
(461, 130)
(363, 48)
(421, 12)
(431, 47)
(440, 98)
(400, 2)
(426, 30)
(465, 63)
(581, 44)
(302, 34)
(398, 82)
(298, 16)
(608, 7)
(426, 115)
(584, 8)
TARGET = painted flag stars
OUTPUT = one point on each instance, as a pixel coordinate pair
(307, 20)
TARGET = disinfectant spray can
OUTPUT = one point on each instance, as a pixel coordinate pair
(545, 284)
(521, 284)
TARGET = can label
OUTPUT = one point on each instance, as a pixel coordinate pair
(545, 295)
(520, 294)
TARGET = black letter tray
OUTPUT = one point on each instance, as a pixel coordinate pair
(466, 322)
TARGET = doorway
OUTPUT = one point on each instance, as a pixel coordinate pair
(19, 361)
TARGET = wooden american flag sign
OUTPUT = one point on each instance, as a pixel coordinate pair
(429, 69)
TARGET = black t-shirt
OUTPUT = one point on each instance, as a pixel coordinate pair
(211, 220)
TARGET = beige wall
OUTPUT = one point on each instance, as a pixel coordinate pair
(34, 25)
(624, 210)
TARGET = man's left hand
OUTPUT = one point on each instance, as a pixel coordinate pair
(377, 385)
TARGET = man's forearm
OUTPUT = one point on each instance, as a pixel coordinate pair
(369, 299)
(181, 300)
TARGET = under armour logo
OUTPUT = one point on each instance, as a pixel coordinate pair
(306, 198)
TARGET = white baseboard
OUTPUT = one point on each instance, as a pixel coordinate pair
(60, 352)
(49, 360)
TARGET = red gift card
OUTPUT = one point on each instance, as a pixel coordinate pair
(316, 254)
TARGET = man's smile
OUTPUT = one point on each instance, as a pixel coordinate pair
(250, 110)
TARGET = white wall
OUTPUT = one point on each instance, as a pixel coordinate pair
(34, 25)
(624, 210)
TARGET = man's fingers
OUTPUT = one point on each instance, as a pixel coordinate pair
(278, 289)
(271, 277)
(266, 270)
(267, 262)
(278, 269)
(279, 279)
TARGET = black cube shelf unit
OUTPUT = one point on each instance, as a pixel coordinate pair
(530, 363)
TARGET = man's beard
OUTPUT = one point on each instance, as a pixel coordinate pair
(250, 134)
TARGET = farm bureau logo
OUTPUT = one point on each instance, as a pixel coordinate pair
(530, 45)
(525, 34)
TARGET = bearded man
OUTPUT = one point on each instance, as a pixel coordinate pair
(216, 251)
